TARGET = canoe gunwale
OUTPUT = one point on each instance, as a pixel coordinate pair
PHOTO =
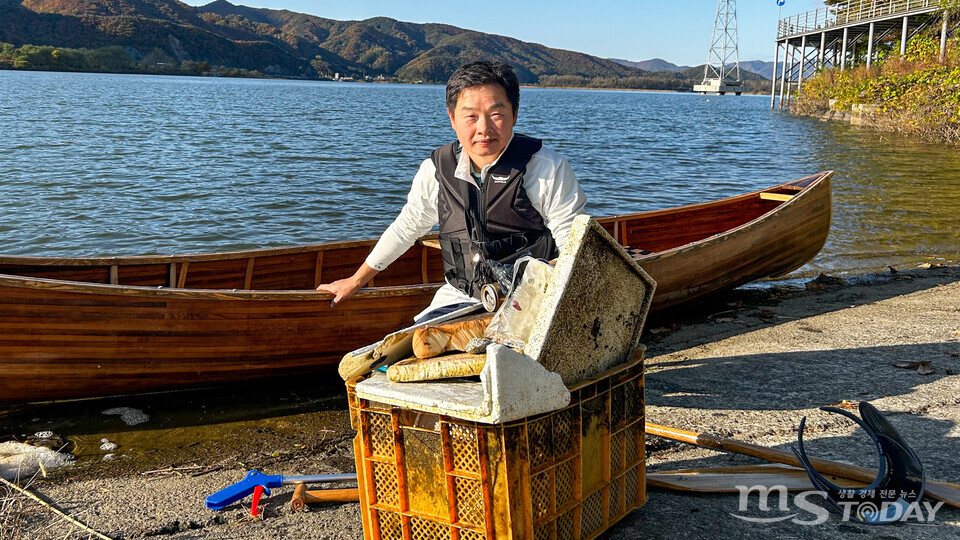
(219, 294)
(133, 260)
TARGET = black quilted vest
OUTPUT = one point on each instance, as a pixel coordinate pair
(497, 222)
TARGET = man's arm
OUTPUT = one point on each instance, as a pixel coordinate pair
(417, 217)
(555, 193)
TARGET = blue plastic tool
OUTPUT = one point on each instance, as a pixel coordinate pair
(231, 494)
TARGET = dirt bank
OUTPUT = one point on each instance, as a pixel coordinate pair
(748, 365)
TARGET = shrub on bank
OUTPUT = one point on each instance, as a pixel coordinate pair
(916, 93)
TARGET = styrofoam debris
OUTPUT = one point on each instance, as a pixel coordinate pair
(43, 434)
(107, 457)
(512, 386)
(129, 416)
(23, 460)
(107, 445)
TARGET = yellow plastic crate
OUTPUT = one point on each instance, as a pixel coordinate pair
(567, 474)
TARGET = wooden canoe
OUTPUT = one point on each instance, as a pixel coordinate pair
(87, 327)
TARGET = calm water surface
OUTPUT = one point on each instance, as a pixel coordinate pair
(96, 164)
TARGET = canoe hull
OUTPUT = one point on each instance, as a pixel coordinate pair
(81, 328)
(60, 344)
(769, 246)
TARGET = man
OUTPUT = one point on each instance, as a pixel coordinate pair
(496, 195)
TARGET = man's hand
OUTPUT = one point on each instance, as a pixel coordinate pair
(347, 287)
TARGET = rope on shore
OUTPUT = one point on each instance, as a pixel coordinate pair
(54, 509)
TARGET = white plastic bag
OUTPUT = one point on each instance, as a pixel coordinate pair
(512, 323)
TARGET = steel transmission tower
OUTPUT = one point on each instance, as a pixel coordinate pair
(722, 72)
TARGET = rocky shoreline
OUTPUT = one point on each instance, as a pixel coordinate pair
(746, 365)
(859, 114)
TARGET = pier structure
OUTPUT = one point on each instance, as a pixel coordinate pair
(848, 34)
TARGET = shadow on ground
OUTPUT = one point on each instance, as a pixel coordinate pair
(797, 380)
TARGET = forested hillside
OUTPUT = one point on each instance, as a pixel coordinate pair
(154, 34)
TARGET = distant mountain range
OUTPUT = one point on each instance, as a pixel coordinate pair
(160, 35)
(759, 67)
(656, 64)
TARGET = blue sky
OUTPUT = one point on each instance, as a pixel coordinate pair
(677, 31)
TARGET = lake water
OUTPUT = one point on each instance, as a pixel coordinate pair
(95, 164)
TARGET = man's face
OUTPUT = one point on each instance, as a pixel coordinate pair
(483, 120)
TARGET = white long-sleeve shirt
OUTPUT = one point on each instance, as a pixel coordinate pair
(550, 184)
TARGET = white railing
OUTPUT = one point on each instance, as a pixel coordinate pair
(850, 12)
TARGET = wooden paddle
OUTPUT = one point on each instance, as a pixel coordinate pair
(941, 491)
(727, 479)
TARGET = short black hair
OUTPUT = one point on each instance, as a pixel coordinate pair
(482, 73)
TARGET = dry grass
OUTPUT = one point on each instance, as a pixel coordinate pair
(17, 514)
(26, 516)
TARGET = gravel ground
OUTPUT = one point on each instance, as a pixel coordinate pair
(748, 365)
